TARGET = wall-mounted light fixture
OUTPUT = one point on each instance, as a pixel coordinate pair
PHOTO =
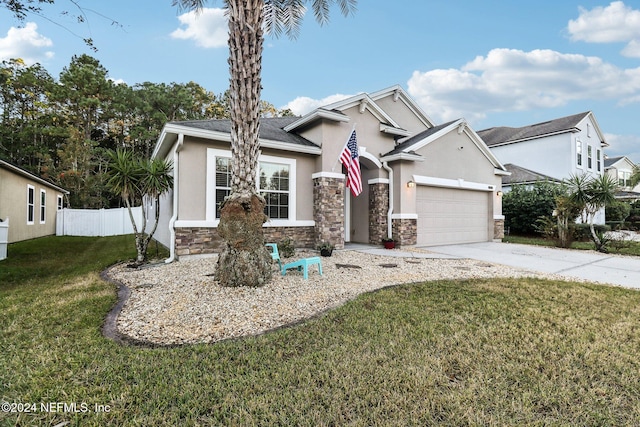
(499, 194)
(411, 184)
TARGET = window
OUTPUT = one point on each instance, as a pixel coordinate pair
(60, 203)
(274, 187)
(578, 152)
(599, 160)
(43, 206)
(589, 156)
(31, 204)
(223, 181)
(273, 183)
(623, 178)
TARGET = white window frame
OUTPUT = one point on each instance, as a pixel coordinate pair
(578, 152)
(599, 159)
(31, 206)
(589, 157)
(60, 202)
(43, 206)
(213, 153)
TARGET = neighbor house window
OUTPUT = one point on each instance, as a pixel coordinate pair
(274, 187)
(589, 156)
(43, 206)
(599, 160)
(273, 183)
(31, 204)
(623, 178)
(60, 203)
(578, 152)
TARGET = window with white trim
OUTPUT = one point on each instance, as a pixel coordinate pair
(43, 206)
(274, 187)
(578, 152)
(273, 183)
(223, 181)
(589, 156)
(60, 203)
(624, 178)
(599, 160)
(31, 204)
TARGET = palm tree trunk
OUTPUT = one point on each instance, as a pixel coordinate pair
(244, 261)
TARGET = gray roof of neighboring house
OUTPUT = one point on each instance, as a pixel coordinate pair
(503, 134)
(29, 175)
(611, 160)
(520, 175)
(417, 138)
(271, 128)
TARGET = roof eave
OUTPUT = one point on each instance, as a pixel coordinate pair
(318, 114)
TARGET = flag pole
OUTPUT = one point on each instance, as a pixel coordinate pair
(345, 144)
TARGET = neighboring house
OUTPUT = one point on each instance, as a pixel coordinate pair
(621, 169)
(423, 184)
(522, 176)
(558, 148)
(28, 202)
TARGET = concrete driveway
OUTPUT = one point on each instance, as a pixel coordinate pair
(593, 266)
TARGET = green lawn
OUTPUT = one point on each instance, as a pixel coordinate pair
(615, 246)
(484, 352)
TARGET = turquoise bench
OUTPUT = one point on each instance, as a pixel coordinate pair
(303, 265)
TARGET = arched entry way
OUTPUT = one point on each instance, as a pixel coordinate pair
(357, 209)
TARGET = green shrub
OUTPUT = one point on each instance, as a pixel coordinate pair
(286, 247)
(524, 205)
(617, 211)
(582, 232)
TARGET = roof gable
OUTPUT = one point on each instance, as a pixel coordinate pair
(617, 162)
(410, 145)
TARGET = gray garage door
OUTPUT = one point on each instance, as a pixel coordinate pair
(449, 216)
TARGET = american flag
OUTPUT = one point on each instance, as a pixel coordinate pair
(350, 160)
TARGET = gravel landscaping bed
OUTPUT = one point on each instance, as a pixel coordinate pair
(181, 302)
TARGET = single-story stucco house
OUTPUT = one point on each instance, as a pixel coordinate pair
(422, 183)
(28, 203)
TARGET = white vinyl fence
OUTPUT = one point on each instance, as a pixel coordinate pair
(96, 222)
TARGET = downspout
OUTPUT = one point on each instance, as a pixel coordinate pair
(174, 217)
(385, 165)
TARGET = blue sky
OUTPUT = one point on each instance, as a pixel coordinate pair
(498, 63)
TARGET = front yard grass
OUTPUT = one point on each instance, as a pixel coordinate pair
(481, 352)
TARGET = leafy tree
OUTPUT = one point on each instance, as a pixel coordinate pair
(134, 179)
(523, 205)
(245, 260)
(592, 194)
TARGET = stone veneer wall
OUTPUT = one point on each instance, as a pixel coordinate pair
(197, 241)
(378, 212)
(205, 240)
(405, 231)
(328, 210)
(498, 229)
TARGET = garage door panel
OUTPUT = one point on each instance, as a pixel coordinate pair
(449, 216)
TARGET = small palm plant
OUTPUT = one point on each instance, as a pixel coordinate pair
(135, 179)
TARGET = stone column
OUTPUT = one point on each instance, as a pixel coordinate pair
(378, 210)
(328, 208)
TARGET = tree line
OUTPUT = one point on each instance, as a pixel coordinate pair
(63, 129)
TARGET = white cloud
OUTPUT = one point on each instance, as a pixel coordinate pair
(25, 43)
(514, 80)
(208, 28)
(614, 23)
(623, 145)
(303, 105)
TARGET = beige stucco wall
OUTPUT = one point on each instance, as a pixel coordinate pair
(13, 205)
(401, 114)
(192, 173)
